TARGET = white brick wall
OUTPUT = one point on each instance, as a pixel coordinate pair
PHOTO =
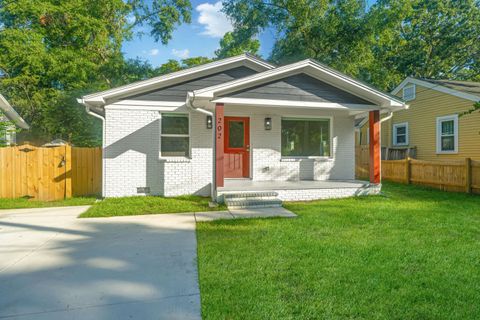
(132, 156)
(133, 147)
(333, 193)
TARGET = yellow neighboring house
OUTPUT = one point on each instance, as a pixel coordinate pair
(433, 124)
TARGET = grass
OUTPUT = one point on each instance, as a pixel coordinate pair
(411, 254)
(20, 203)
(128, 206)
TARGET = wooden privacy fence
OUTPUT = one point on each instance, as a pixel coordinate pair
(455, 176)
(50, 173)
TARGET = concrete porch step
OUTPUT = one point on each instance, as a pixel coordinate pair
(253, 202)
(250, 194)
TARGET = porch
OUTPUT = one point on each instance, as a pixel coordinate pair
(300, 190)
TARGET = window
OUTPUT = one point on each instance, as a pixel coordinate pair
(236, 134)
(175, 139)
(368, 136)
(400, 134)
(305, 137)
(409, 92)
(447, 134)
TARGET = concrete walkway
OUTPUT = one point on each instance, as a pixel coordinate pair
(244, 214)
(55, 266)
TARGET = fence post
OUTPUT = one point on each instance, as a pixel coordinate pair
(68, 171)
(468, 175)
(407, 170)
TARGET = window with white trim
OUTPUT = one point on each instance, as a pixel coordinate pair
(447, 134)
(175, 135)
(409, 92)
(400, 134)
(305, 137)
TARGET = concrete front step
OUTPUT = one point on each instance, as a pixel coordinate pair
(253, 202)
(250, 194)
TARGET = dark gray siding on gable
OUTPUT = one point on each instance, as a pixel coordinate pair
(178, 92)
(298, 88)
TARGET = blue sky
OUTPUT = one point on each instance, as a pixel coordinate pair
(199, 38)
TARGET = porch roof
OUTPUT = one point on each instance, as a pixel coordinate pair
(367, 97)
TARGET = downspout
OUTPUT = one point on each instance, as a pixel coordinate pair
(189, 104)
(388, 117)
(87, 109)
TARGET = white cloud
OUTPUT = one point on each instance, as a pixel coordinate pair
(215, 22)
(182, 54)
(153, 52)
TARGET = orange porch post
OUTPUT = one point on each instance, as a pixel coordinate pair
(375, 148)
(219, 144)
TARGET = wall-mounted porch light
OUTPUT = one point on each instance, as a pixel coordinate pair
(209, 122)
(268, 123)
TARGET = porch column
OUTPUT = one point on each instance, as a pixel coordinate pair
(375, 148)
(219, 144)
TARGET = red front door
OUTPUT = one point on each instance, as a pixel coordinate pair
(237, 147)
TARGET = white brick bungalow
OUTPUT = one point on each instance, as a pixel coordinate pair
(239, 124)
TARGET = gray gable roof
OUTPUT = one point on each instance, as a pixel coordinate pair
(469, 87)
(178, 92)
(300, 87)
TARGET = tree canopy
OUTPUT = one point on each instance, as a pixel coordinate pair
(52, 52)
(382, 44)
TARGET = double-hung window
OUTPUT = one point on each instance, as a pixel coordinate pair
(447, 134)
(305, 137)
(400, 134)
(175, 135)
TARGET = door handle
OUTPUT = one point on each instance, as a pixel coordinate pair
(248, 148)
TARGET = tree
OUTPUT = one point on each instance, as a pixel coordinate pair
(382, 45)
(433, 39)
(333, 32)
(475, 108)
(53, 51)
(174, 65)
(162, 16)
(232, 44)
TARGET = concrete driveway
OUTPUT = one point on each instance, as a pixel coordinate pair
(55, 266)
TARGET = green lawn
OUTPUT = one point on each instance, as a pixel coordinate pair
(21, 203)
(128, 206)
(411, 254)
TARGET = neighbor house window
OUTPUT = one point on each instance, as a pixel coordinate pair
(175, 138)
(305, 137)
(447, 134)
(409, 92)
(400, 134)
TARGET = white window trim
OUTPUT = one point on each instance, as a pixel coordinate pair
(414, 92)
(453, 117)
(309, 157)
(179, 158)
(368, 135)
(397, 125)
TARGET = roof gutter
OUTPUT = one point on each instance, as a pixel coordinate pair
(87, 109)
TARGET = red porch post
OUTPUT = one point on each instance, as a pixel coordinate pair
(375, 148)
(219, 144)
